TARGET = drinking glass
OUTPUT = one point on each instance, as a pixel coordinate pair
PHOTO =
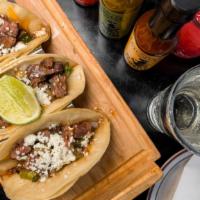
(176, 110)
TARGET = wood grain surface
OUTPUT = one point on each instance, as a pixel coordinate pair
(128, 167)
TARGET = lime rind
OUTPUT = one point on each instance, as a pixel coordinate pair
(18, 104)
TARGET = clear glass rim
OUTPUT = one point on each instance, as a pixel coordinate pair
(170, 105)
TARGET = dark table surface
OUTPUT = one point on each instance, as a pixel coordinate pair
(137, 88)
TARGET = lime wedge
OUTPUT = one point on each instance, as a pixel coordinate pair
(18, 104)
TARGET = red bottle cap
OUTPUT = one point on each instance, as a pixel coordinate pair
(189, 39)
(86, 2)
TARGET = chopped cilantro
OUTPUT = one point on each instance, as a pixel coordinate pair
(68, 69)
(77, 143)
(25, 37)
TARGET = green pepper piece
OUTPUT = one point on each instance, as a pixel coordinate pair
(78, 154)
(30, 175)
(25, 37)
(68, 69)
(77, 144)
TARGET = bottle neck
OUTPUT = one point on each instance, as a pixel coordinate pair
(162, 27)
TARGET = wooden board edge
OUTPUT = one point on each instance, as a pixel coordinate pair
(87, 56)
(125, 183)
(149, 177)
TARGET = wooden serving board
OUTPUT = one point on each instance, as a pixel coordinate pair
(128, 167)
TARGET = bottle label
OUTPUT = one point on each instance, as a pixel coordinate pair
(114, 24)
(137, 58)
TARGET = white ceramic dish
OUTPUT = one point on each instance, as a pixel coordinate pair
(172, 170)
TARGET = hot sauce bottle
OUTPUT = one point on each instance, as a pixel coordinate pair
(86, 2)
(154, 35)
(116, 17)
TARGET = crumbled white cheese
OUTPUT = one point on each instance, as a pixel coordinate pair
(1, 21)
(21, 158)
(86, 139)
(40, 32)
(43, 179)
(30, 140)
(42, 138)
(51, 126)
(42, 96)
(60, 153)
(40, 146)
(25, 80)
(49, 156)
(85, 142)
(50, 152)
(4, 51)
(19, 46)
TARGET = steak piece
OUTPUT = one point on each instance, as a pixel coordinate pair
(45, 132)
(38, 73)
(8, 32)
(47, 63)
(58, 85)
(7, 41)
(81, 129)
(66, 134)
(20, 150)
(58, 67)
(8, 27)
(35, 74)
(48, 67)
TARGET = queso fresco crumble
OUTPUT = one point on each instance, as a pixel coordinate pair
(45, 152)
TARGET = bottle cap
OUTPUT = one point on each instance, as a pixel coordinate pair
(179, 11)
(170, 15)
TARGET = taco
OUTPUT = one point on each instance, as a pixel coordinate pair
(44, 159)
(55, 80)
(20, 32)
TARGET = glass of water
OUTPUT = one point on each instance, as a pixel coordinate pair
(176, 110)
